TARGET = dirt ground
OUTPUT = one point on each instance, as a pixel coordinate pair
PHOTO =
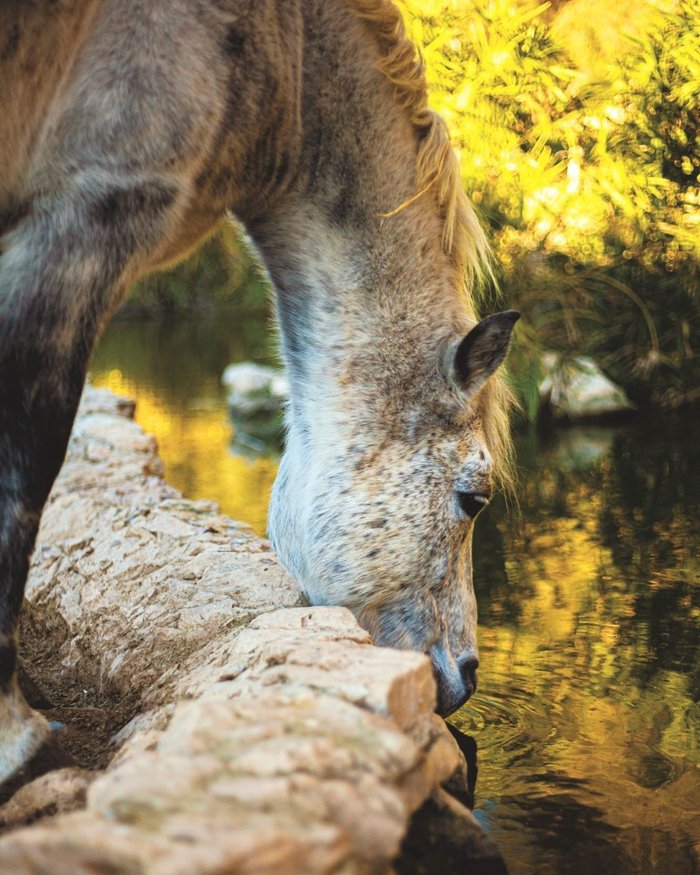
(89, 714)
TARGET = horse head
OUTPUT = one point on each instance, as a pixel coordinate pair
(383, 524)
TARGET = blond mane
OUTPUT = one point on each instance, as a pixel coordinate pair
(437, 169)
(437, 172)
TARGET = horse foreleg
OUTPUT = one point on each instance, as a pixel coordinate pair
(62, 271)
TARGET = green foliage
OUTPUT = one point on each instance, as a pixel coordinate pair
(222, 274)
(578, 135)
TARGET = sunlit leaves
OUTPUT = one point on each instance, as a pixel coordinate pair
(578, 136)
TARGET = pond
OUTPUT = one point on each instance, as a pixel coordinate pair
(587, 714)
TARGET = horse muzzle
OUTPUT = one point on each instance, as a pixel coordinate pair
(456, 683)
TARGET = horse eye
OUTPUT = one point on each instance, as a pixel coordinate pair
(472, 502)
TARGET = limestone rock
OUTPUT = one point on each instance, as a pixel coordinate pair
(253, 388)
(257, 395)
(139, 576)
(578, 389)
(56, 792)
(249, 733)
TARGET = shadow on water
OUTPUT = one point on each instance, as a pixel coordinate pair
(588, 706)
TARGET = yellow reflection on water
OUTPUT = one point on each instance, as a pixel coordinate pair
(195, 446)
(584, 740)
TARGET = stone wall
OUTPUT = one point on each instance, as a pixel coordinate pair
(248, 733)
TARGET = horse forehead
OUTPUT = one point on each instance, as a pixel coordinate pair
(442, 424)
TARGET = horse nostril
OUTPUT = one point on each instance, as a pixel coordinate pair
(468, 671)
(456, 682)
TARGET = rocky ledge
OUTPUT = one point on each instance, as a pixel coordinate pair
(218, 725)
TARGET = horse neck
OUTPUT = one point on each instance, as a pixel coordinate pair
(362, 300)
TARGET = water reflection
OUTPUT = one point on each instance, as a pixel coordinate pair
(174, 369)
(588, 707)
(587, 711)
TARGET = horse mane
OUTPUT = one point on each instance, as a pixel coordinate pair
(437, 171)
(437, 168)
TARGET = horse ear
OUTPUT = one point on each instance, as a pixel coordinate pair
(481, 351)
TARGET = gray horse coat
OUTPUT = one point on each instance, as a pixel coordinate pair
(129, 129)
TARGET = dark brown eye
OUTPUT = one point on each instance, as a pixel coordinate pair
(472, 502)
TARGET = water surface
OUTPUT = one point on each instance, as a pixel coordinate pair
(173, 369)
(587, 713)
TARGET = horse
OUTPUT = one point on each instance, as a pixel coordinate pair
(130, 130)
